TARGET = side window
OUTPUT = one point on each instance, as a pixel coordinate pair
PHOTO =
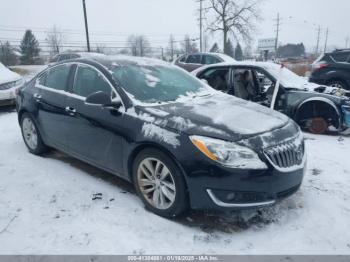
(74, 56)
(193, 59)
(63, 58)
(218, 78)
(183, 59)
(57, 77)
(340, 57)
(89, 81)
(54, 59)
(209, 60)
(248, 83)
(42, 80)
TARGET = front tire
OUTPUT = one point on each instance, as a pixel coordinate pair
(31, 135)
(160, 183)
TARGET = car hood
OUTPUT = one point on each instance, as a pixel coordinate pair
(7, 75)
(325, 90)
(218, 115)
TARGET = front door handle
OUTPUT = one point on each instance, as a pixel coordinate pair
(37, 97)
(71, 111)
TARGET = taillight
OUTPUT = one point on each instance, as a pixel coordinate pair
(319, 65)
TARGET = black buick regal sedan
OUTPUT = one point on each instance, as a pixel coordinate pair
(181, 143)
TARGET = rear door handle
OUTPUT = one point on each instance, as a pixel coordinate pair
(71, 111)
(37, 97)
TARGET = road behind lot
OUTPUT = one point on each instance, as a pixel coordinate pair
(47, 207)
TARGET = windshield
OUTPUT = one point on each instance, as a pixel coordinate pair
(288, 78)
(157, 83)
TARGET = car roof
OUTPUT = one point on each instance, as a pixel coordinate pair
(237, 63)
(224, 57)
(112, 60)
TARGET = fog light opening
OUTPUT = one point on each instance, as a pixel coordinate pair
(230, 196)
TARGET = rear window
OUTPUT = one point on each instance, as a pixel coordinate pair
(340, 57)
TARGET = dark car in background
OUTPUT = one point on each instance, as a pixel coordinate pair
(190, 62)
(332, 69)
(64, 56)
(181, 143)
(315, 108)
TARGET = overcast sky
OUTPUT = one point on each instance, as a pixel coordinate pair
(114, 20)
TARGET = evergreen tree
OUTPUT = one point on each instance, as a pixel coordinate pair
(215, 48)
(238, 53)
(29, 48)
(230, 50)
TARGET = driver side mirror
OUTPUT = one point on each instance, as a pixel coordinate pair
(103, 99)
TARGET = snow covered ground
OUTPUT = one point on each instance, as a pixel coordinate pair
(47, 207)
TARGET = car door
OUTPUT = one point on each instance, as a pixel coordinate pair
(94, 129)
(51, 98)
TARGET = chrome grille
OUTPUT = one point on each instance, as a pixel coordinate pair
(286, 155)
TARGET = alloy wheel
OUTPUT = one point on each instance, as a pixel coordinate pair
(29, 133)
(337, 84)
(156, 183)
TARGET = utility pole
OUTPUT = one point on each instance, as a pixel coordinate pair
(278, 29)
(86, 28)
(318, 39)
(201, 25)
(326, 41)
(347, 42)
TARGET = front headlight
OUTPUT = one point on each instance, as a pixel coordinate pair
(228, 153)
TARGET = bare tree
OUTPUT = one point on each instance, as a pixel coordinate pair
(100, 48)
(54, 39)
(139, 45)
(237, 17)
(189, 45)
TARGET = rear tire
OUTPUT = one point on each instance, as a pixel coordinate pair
(31, 135)
(160, 183)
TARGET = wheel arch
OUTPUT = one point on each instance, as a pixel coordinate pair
(320, 102)
(20, 114)
(147, 145)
